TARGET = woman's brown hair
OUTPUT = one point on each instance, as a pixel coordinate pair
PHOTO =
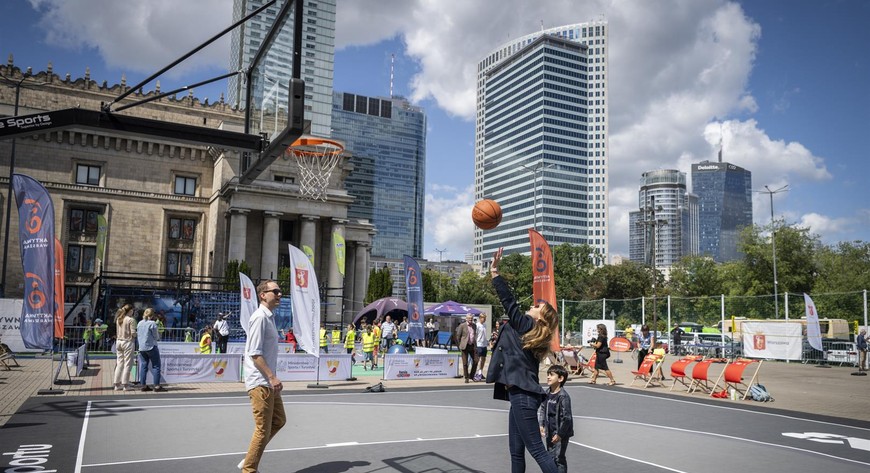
(122, 312)
(537, 340)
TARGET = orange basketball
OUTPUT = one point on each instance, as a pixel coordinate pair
(486, 214)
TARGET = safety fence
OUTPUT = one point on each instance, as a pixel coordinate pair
(713, 324)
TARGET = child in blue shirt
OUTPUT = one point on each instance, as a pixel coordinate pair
(555, 418)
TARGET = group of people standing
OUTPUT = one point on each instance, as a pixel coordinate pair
(129, 334)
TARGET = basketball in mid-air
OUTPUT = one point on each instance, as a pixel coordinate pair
(486, 214)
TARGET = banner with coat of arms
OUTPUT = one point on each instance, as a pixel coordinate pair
(413, 366)
(199, 369)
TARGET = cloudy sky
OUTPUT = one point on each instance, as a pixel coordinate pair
(782, 83)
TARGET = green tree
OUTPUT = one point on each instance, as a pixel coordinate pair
(231, 274)
(476, 289)
(795, 259)
(844, 268)
(572, 267)
(380, 284)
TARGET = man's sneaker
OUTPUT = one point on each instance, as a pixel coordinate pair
(477, 378)
(118, 388)
(159, 389)
(147, 388)
(242, 464)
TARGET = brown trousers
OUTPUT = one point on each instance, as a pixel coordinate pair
(269, 417)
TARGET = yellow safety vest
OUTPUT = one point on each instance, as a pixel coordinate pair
(368, 342)
(336, 337)
(350, 339)
(377, 333)
(322, 338)
(205, 344)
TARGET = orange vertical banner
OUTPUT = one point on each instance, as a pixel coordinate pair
(59, 277)
(543, 281)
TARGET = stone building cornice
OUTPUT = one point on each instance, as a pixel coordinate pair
(104, 191)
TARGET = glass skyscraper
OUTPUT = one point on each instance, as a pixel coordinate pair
(318, 57)
(664, 207)
(541, 139)
(386, 139)
(725, 207)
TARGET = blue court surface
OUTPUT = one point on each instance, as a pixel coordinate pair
(423, 431)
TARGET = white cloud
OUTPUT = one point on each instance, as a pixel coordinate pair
(826, 226)
(140, 36)
(448, 223)
(676, 69)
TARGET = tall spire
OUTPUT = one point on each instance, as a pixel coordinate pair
(392, 65)
(720, 142)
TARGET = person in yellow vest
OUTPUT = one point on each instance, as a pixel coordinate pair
(88, 335)
(323, 345)
(205, 341)
(99, 329)
(376, 331)
(188, 335)
(349, 340)
(368, 339)
(336, 336)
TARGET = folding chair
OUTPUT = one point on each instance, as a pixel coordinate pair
(733, 374)
(587, 365)
(6, 356)
(678, 370)
(650, 370)
(572, 361)
(699, 375)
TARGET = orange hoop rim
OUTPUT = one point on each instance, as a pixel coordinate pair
(300, 145)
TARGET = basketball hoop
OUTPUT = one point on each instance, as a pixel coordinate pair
(316, 158)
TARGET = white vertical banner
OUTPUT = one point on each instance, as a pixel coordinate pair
(248, 302)
(305, 302)
(814, 333)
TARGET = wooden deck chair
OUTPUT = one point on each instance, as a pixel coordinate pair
(700, 375)
(587, 365)
(733, 375)
(572, 361)
(678, 370)
(7, 357)
(649, 371)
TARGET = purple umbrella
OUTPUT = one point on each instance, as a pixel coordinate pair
(380, 308)
(451, 308)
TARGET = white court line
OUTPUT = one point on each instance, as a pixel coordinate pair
(297, 403)
(730, 437)
(81, 451)
(298, 449)
(625, 457)
(695, 402)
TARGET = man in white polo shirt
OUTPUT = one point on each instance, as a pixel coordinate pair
(264, 387)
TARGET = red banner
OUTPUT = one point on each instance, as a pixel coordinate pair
(543, 282)
(59, 292)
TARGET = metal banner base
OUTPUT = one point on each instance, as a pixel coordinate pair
(49, 391)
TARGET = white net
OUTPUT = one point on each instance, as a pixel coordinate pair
(316, 163)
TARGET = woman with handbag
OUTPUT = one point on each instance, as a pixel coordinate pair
(602, 353)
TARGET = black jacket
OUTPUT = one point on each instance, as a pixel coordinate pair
(510, 365)
(564, 416)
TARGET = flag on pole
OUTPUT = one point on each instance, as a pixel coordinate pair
(102, 233)
(339, 248)
(543, 281)
(36, 233)
(814, 332)
(305, 302)
(309, 252)
(414, 283)
(249, 301)
(59, 276)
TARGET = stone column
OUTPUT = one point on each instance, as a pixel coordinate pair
(361, 275)
(336, 280)
(269, 254)
(307, 236)
(349, 280)
(238, 234)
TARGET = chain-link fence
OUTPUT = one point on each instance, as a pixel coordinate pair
(715, 320)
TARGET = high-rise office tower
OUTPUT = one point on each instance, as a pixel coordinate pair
(541, 147)
(724, 207)
(386, 138)
(664, 226)
(318, 57)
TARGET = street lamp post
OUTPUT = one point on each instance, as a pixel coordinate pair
(534, 170)
(650, 220)
(17, 85)
(773, 244)
(440, 267)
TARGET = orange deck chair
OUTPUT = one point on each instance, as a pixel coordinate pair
(649, 371)
(733, 375)
(678, 370)
(699, 375)
(589, 365)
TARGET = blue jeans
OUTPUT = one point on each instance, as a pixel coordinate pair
(151, 356)
(524, 433)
